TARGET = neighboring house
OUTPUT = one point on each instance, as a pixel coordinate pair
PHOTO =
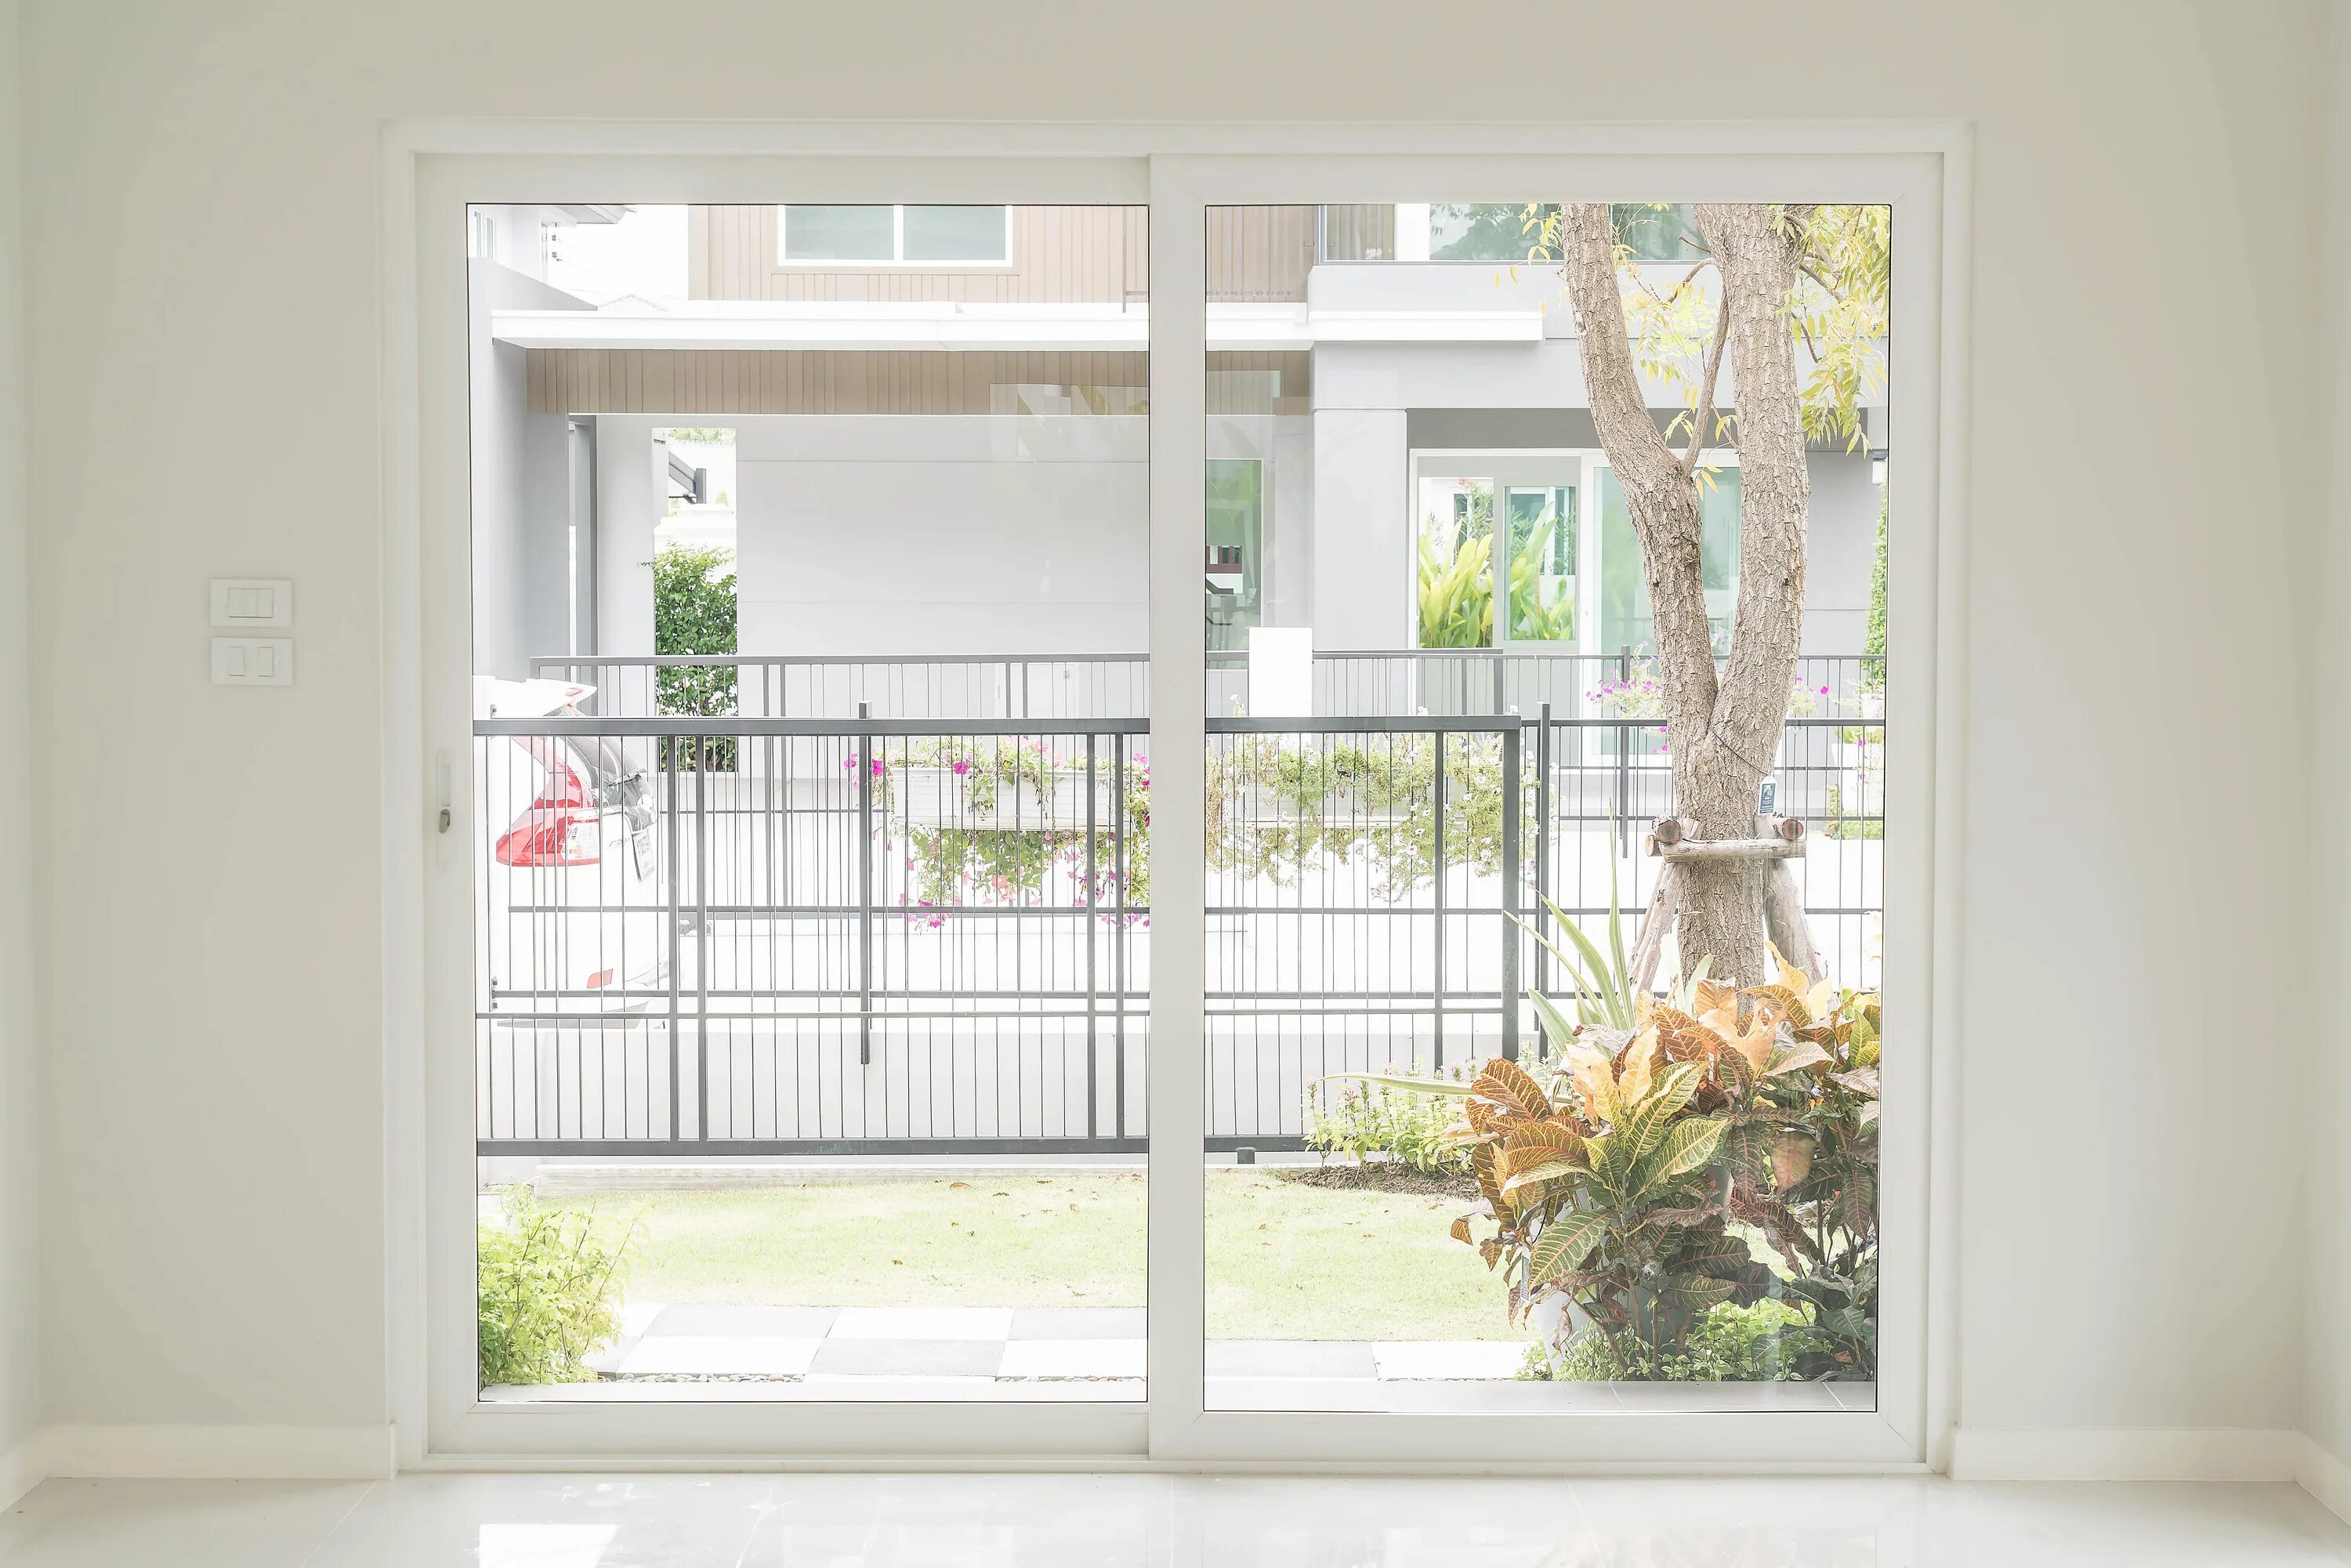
(1373, 370)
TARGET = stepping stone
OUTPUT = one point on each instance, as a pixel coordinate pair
(1468, 1360)
(778, 1323)
(1071, 1358)
(923, 1323)
(741, 1355)
(1078, 1322)
(909, 1357)
(1289, 1358)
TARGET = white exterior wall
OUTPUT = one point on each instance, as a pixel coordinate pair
(1839, 549)
(521, 487)
(880, 534)
(1500, 397)
(2103, 1285)
(1363, 530)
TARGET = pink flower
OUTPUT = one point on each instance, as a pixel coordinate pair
(961, 766)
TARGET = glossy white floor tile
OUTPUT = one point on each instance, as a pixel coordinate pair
(1141, 1522)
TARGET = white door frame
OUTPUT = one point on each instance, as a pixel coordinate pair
(431, 171)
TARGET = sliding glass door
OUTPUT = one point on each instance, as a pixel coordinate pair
(813, 870)
(1077, 825)
(1485, 1131)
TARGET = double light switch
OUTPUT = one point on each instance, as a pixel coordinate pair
(252, 604)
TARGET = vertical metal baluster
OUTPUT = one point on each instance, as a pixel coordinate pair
(669, 786)
(1094, 1090)
(1437, 985)
(1119, 940)
(865, 886)
(702, 753)
(1542, 839)
(1511, 806)
(1624, 764)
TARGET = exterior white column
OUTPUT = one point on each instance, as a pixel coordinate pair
(1363, 530)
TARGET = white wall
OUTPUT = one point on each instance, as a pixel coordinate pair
(2326, 656)
(20, 1260)
(214, 988)
(882, 534)
(521, 487)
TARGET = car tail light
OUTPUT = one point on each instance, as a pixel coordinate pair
(600, 980)
(562, 827)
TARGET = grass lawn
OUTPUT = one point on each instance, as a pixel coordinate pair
(1285, 1260)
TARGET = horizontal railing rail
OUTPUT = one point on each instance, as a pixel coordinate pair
(1346, 683)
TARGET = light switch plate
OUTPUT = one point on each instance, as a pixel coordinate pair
(253, 661)
(252, 602)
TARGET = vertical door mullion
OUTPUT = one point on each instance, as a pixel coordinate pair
(1174, 1063)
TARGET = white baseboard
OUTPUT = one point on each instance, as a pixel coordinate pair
(2128, 1454)
(2325, 1477)
(21, 1469)
(218, 1453)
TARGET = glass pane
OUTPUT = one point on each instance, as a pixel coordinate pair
(1542, 563)
(811, 894)
(838, 233)
(1236, 558)
(1657, 231)
(1454, 570)
(1359, 233)
(1486, 231)
(955, 234)
(1463, 728)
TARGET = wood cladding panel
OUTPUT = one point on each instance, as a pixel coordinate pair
(717, 383)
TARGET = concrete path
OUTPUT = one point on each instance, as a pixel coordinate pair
(993, 1344)
(669, 1353)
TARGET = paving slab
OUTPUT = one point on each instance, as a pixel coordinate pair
(923, 1323)
(1464, 1360)
(1074, 1358)
(909, 1357)
(1289, 1358)
(749, 1355)
(765, 1323)
(1079, 1323)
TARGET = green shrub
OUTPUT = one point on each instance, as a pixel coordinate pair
(694, 613)
(550, 1282)
(1368, 1119)
(1758, 1344)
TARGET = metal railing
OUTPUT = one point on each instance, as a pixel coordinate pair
(1519, 679)
(761, 936)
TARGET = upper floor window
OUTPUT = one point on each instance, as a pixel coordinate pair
(1491, 231)
(894, 237)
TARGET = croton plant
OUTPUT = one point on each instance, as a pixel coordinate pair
(1634, 1171)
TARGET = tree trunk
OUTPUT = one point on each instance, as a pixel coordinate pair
(1724, 730)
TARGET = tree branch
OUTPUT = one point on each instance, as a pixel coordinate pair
(1703, 410)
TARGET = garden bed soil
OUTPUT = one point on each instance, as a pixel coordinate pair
(1382, 1176)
